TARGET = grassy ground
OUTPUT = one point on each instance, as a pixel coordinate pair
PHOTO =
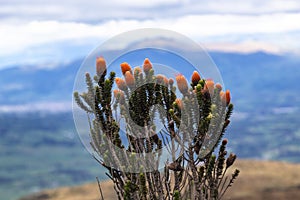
(259, 180)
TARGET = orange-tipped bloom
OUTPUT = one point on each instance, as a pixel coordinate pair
(195, 78)
(129, 79)
(166, 81)
(118, 94)
(147, 65)
(223, 97)
(120, 83)
(171, 81)
(210, 85)
(100, 66)
(219, 86)
(125, 67)
(227, 96)
(160, 78)
(182, 84)
(179, 103)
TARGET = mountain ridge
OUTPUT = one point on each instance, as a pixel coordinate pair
(26, 85)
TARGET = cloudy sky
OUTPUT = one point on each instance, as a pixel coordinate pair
(54, 31)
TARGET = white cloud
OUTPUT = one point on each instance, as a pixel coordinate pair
(261, 32)
(243, 47)
(98, 10)
(52, 107)
(145, 4)
(34, 31)
(19, 36)
(11, 87)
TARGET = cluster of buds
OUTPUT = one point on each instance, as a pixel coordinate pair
(161, 79)
(207, 85)
(129, 80)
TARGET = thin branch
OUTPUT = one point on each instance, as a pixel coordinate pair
(99, 185)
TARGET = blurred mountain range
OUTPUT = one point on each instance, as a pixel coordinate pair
(270, 81)
(29, 84)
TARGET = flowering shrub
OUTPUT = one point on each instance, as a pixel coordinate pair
(193, 127)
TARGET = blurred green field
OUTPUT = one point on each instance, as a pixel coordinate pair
(41, 151)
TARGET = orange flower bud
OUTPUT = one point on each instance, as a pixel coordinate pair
(179, 103)
(129, 79)
(125, 67)
(171, 81)
(209, 84)
(100, 66)
(147, 65)
(223, 97)
(182, 84)
(227, 96)
(120, 83)
(195, 78)
(160, 78)
(118, 94)
(219, 86)
(166, 81)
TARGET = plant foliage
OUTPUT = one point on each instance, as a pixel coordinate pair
(193, 127)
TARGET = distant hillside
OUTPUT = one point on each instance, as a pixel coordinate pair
(259, 180)
(29, 84)
(271, 77)
(259, 80)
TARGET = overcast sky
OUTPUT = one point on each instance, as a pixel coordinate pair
(43, 31)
